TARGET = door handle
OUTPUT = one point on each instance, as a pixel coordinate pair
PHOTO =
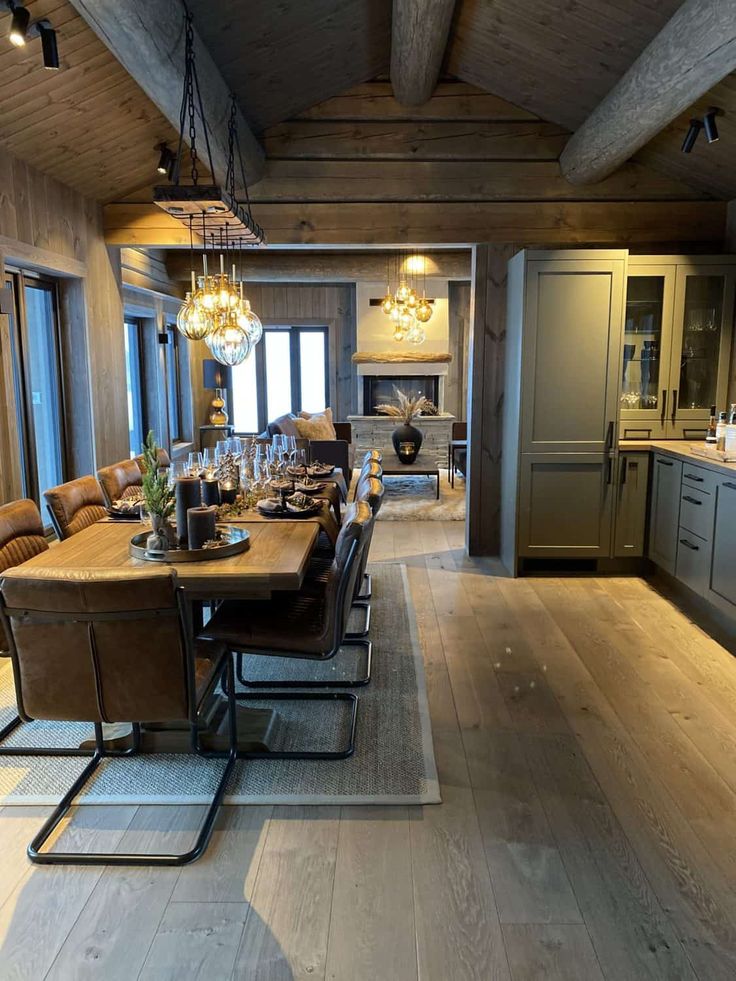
(664, 405)
(693, 477)
(687, 544)
(665, 463)
(674, 405)
(624, 468)
(692, 500)
(609, 435)
(609, 478)
(730, 486)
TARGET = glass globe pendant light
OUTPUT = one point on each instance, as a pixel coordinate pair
(423, 312)
(416, 335)
(229, 343)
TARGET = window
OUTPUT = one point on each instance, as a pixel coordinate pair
(36, 353)
(133, 381)
(287, 372)
(173, 383)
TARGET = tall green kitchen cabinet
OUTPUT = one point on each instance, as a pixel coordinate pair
(561, 402)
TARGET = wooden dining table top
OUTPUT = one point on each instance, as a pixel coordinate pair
(276, 560)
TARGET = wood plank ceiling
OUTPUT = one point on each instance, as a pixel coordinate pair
(88, 125)
(293, 65)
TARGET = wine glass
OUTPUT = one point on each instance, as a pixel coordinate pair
(195, 463)
(221, 448)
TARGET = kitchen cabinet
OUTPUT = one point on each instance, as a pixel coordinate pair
(676, 344)
(565, 311)
(664, 515)
(630, 491)
(723, 563)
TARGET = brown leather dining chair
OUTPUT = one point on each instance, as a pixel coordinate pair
(127, 653)
(119, 480)
(21, 537)
(75, 505)
(164, 460)
(310, 624)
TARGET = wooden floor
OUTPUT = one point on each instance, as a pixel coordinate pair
(585, 734)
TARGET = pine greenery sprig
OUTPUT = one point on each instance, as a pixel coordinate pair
(158, 496)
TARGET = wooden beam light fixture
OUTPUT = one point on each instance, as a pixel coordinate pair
(22, 29)
(202, 207)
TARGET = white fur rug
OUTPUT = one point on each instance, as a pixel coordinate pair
(412, 498)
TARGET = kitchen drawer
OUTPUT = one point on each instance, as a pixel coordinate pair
(696, 511)
(693, 561)
(699, 478)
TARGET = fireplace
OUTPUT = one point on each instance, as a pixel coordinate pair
(379, 389)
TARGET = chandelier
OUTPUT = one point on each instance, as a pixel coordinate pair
(407, 311)
(215, 309)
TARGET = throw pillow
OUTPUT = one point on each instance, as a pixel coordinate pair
(308, 415)
(318, 427)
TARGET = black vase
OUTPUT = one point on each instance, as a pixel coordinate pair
(407, 442)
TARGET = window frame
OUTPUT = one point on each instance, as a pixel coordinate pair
(17, 279)
(295, 331)
(172, 360)
(137, 324)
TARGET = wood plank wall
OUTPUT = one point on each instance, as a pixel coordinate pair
(47, 227)
(332, 304)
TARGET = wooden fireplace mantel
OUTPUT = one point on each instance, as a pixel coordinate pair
(401, 357)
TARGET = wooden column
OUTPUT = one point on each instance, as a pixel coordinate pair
(485, 397)
(695, 49)
(419, 32)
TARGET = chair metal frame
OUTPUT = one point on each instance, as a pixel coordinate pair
(100, 752)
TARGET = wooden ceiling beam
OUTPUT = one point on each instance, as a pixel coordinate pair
(692, 52)
(419, 34)
(147, 37)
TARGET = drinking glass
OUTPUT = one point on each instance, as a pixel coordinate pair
(195, 463)
(236, 446)
(221, 448)
(208, 459)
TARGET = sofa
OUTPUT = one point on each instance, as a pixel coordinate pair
(339, 451)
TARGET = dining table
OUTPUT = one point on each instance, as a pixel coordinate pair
(276, 560)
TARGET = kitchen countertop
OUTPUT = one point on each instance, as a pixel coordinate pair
(679, 448)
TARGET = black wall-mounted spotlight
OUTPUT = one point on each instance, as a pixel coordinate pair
(48, 45)
(692, 134)
(709, 125)
(166, 160)
(18, 25)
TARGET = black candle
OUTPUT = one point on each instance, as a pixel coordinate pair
(210, 490)
(201, 525)
(188, 495)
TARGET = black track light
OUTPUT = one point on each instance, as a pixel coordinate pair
(709, 125)
(48, 45)
(692, 134)
(19, 26)
(165, 160)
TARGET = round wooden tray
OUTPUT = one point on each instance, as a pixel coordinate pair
(234, 541)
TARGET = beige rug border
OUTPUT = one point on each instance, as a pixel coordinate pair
(431, 794)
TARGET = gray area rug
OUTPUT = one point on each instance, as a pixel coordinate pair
(412, 497)
(393, 762)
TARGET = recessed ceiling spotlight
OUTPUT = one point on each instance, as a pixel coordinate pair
(692, 134)
(19, 26)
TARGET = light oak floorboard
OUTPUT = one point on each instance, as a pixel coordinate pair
(584, 733)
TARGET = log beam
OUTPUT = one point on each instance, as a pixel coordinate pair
(147, 37)
(419, 32)
(692, 52)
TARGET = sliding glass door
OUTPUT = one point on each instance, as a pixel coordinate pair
(37, 374)
(287, 372)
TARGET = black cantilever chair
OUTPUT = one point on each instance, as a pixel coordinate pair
(127, 653)
(310, 624)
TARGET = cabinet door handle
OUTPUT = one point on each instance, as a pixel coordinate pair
(692, 500)
(665, 463)
(687, 544)
(624, 468)
(609, 478)
(664, 405)
(730, 486)
(674, 405)
(691, 476)
(609, 435)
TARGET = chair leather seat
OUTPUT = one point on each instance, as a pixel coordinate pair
(273, 625)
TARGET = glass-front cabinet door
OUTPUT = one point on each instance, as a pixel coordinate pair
(704, 307)
(646, 352)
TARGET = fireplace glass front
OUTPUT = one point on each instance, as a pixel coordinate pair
(380, 389)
